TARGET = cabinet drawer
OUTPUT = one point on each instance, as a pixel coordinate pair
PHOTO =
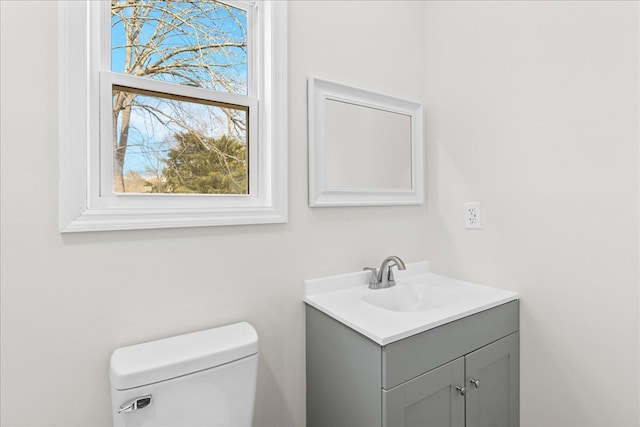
(415, 355)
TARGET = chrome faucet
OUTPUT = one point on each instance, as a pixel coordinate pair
(383, 278)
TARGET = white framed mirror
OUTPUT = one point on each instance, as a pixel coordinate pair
(365, 148)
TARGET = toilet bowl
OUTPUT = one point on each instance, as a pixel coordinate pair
(205, 378)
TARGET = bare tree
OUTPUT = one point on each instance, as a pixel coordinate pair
(198, 43)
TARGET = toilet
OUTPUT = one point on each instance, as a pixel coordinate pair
(205, 378)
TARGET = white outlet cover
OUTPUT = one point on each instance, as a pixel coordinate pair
(472, 219)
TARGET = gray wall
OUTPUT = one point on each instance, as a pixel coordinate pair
(531, 109)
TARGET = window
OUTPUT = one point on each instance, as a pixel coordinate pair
(172, 114)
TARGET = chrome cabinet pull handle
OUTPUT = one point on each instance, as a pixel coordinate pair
(475, 382)
(462, 390)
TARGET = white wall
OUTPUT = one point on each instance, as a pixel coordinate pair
(68, 301)
(533, 110)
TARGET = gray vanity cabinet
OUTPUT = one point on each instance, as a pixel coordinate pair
(489, 377)
(416, 381)
(494, 402)
(428, 400)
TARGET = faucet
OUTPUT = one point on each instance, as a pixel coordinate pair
(383, 278)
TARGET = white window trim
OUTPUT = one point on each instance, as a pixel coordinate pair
(83, 208)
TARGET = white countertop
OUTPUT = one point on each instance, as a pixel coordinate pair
(341, 297)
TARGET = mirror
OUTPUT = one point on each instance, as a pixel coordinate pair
(365, 148)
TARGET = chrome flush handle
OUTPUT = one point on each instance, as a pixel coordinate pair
(135, 404)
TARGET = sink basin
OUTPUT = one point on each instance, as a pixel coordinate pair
(410, 297)
(421, 300)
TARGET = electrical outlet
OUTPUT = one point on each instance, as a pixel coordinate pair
(472, 215)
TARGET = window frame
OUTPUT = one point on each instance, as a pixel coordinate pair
(87, 203)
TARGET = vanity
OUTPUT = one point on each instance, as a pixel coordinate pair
(429, 351)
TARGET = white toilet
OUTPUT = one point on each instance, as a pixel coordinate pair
(205, 378)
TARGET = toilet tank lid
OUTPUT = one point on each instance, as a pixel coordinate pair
(160, 360)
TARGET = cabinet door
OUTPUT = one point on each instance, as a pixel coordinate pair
(493, 401)
(430, 400)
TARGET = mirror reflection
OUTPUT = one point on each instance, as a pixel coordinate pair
(366, 147)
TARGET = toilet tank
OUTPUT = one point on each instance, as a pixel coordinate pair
(205, 378)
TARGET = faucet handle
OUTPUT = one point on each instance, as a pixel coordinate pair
(374, 275)
(390, 279)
